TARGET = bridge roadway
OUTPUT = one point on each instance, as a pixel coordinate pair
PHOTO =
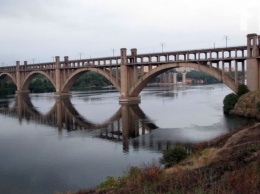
(131, 73)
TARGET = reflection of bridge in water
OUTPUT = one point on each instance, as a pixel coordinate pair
(127, 123)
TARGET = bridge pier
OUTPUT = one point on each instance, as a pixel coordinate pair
(22, 92)
(128, 78)
(61, 95)
(175, 78)
(184, 77)
(130, 100)
(253, 62)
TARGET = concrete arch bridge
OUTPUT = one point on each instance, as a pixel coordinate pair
(129, 74)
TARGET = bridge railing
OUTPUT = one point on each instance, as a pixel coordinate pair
(108, 61)
(211, 54)
(38, 66)
(8, 69)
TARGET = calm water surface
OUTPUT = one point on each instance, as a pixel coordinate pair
(49, 145)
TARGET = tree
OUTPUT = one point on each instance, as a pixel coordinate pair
(241, 90)
(229, 102)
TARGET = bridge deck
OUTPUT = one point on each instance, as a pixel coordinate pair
(193, 56)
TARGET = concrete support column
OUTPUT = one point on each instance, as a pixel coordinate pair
(133, 54)
(243, 72)
(18, 76)
(223, 71)
(175, 78)
(184, 77)
(117, 75)
(110, 73)
(149, 68)
(253, 63)
(58, 80)
(236, 73)
(135, 75)
(124, 80)
(210, 65)
(57, 74)
(169, 78)
(66, 61)
(127, 80)
(19, 80)
(142, 70)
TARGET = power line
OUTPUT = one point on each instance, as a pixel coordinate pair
(113, 50)
(226, 38)
(162, 44)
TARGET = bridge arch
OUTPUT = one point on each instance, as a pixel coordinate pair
(142, 82)
(75, 75)
(28, 79)
(9, 76)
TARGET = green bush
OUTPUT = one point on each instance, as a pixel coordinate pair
(173, 155)
(241, 90)
(109, 183)
(229, 102)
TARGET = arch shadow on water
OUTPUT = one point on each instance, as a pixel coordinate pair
(128, 122)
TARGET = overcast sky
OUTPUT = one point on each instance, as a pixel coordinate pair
(40, 29)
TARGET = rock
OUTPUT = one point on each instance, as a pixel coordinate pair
(247, 105)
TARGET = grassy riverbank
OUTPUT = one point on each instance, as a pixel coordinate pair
(227, 164)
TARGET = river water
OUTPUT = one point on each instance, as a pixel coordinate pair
(49, 145)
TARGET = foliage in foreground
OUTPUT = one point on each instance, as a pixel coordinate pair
(236, 170)
(229, 102)
(227, 164)
(241, 90)
(173, 155)
(216, 178)
(231, 99)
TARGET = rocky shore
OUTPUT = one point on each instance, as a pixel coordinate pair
(247, 105)
(227, 164)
